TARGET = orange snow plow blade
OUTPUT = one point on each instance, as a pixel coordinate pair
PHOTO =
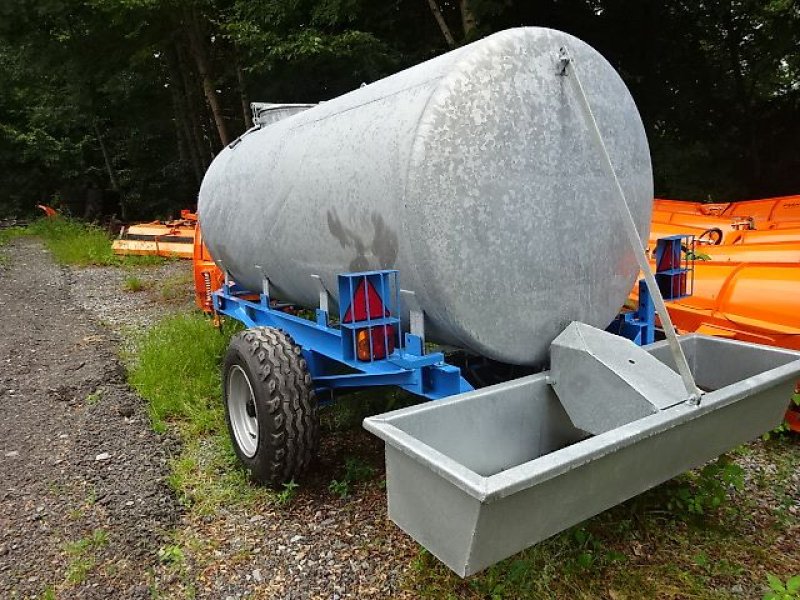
(782, 208)
(747, 272)
(170, 239)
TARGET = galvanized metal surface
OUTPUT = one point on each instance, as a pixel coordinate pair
(693, 393)
(605, 381)
(267, 113)
(474, 174)
(486, 474)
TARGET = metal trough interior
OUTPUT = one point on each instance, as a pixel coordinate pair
(483, 475)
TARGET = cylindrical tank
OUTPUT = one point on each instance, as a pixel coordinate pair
(473, 173)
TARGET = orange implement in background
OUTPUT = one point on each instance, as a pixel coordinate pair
(782, 208)
(749, 290)
(749, 302)
(171, 239)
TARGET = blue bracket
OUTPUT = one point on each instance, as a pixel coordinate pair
(675, 279)
(388, 358)
(638, 325)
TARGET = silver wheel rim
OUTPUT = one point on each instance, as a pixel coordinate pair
(242, 411)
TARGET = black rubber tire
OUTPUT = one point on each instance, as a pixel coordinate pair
(285, 402)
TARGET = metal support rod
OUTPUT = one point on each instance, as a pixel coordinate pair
(568, 67)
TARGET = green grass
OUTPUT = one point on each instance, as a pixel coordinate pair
(83, 555)
(10, 233)
(176, 287)
(133, 284)
(73, 242)
(177, 370)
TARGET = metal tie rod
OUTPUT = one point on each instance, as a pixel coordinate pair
(568, 67)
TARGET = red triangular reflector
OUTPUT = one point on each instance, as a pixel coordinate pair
(365, 295)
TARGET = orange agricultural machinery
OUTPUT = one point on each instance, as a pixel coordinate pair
(747, 278)
(170, 239)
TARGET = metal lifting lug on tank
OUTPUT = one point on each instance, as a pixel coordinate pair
(437, 203)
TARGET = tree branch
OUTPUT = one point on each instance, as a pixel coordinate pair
(437, 13)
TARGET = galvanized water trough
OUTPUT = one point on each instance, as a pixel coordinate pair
(483, 475)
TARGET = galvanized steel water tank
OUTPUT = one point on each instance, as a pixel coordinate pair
(473, 173)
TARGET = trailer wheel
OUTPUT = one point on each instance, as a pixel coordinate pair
(270, 404)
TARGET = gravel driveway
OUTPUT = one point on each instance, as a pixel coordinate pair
(83, 503)
(84, 507)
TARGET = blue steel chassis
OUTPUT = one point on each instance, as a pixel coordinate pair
(329, 350)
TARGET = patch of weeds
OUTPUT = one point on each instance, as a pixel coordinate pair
(48, 594)
(8, 234)
(83, 555)
(176, 287)
(94, 397)
(339, 488)
(348, 412)
(176, 369)
(355, 470)
(701, 492)
(73, 242)
(133, 284)
(778, 590)
(144, 260)
(287, 494)
(172, 555)
(208, 476)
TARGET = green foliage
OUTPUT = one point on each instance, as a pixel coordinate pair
(133, 284)
(10, 233)
(110, 97)
(176, 369)
(705, 491)
(171, 554)
(778, 590)
(339, 488)
(83, 555)
(287, 494)
(176, 287)
(94, 397)
(48, 594)
(72, 242)
(356, 470)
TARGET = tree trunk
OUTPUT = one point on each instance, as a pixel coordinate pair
(203, 152)
(468, 20)
(106, 158)
(181, 109)
(198, 51)
(243, 96)
(437, 14)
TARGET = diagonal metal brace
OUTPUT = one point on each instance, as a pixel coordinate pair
(568, 68)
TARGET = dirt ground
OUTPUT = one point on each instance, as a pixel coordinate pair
(83, 501)
(78, 456)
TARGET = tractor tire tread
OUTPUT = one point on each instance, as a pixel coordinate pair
(290, 402)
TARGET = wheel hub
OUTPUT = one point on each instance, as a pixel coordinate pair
(242, 411)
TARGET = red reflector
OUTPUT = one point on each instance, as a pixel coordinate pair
(382, 342)
(365, 295)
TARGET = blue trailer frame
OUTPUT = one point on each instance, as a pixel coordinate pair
(331, 350)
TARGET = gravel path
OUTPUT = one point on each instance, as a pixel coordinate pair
(64, 404)
(83, 504)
